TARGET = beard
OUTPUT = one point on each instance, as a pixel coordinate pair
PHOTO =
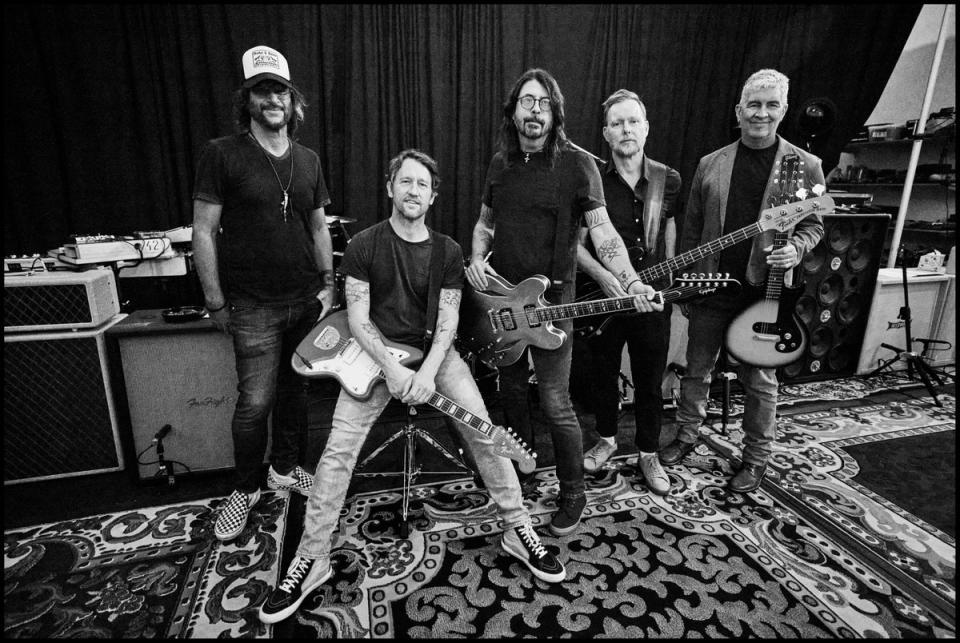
(256, 113)
(527, 128)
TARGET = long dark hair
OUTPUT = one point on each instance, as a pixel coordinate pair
(509, 140)
(241, 111)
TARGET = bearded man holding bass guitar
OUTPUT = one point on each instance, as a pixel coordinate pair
(641, 197)
(399, 275)
(539, 190)
(730, 188)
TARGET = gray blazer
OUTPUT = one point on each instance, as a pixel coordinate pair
(707, 206)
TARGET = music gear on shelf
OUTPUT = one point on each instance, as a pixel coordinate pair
(497, 324)
(330, 350)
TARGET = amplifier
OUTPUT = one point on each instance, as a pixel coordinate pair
(58, 300)
(59, 418)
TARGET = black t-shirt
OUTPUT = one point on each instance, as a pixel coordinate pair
(528, 199)
(398, 272)
(748, 182)
(261, 257)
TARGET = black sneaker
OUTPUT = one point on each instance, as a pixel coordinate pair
(303, 576)
(524, 544)
(567, 516)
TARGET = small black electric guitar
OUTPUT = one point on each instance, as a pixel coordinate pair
(330, 350)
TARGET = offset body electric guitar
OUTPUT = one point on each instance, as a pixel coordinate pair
(780, 218)
(498, 323)
(330, 350)
(769, 333)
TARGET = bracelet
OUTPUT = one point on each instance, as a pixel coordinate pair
(327, 278)
(216, 310)
(627, 287)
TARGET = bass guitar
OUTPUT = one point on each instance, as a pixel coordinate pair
(330, 350)
(779, 217)
(498, 323)
(769, 333)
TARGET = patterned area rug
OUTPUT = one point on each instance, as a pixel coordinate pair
(811, 553)
(148, 573)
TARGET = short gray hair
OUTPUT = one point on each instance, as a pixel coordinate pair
(618, 97)
(766, 79)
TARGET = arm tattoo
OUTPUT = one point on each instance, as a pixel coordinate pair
(442, 337)
(371, 330)
(593, 218)
(609, 249)
(357, 291)
(450, 297)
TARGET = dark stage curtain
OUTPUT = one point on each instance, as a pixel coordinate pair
(107, 106)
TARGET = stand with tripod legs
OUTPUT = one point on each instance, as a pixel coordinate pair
(914, 361)
(410, 434)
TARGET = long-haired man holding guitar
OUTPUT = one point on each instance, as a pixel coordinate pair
(641, 197)
(730, 188)
(539, 191)
(388, 270)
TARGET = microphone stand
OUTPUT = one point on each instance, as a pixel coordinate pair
(914, 361)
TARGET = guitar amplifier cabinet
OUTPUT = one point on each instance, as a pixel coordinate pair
(58, 410)
(58, 300)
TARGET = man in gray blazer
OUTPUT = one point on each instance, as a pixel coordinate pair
(729, 190)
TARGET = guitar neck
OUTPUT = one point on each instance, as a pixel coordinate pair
(613, 305)
(775, 275)
(449, 407)
(717, 245)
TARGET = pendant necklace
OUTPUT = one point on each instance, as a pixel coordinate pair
(286, 195)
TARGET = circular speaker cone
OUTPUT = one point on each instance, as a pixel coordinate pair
(820, 341)
(859, 256)
(839, 358)
(814, 260)
(793, 369)
(806, 308)
(830, 289)
(849, 308)
(840, 237)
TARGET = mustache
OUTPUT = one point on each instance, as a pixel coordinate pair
(532, 119)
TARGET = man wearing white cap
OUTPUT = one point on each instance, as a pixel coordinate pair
(265, 262)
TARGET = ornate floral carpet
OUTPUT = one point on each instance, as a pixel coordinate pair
(149, 573)
(812, 553)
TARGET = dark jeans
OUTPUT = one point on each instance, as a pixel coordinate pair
(552, 369)
(597, 369)
(264, 338)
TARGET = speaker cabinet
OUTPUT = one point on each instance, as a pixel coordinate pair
(59, 418)
(927, 292)
(58, 300)
(183, 375)
(839, 276)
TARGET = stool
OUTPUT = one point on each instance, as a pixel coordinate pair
(411, 435)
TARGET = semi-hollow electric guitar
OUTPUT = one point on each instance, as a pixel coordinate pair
(330, 350)
(498, 323)
(769, 333)
(780, 217)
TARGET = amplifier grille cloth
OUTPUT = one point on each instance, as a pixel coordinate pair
(55, 411)
(44, 305)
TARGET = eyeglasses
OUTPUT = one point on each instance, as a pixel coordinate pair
(265, 89)
(528, 101)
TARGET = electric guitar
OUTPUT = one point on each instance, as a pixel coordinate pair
(769, 333)
(778, 217)
(498, 323)
(330, 350)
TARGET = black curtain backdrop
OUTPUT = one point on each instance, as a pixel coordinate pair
(107, 106)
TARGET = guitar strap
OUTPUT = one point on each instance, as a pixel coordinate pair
(561, 249)
(653, 203)
(437, 248)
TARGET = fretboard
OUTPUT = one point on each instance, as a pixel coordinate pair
(457, 412)
(717, 245)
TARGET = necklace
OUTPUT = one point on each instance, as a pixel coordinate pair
(286, 195)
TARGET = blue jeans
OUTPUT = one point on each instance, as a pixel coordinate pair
(704, 337)
(552, 368)
(264, 338)
(352, 421)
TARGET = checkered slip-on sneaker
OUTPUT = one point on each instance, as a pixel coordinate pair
(297, 480)
(524, 543)
(303, 576)
(233, 515)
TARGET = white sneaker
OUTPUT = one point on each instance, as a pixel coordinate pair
(297, 480)
(233, 515)
(653, 473)
(598, 454)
